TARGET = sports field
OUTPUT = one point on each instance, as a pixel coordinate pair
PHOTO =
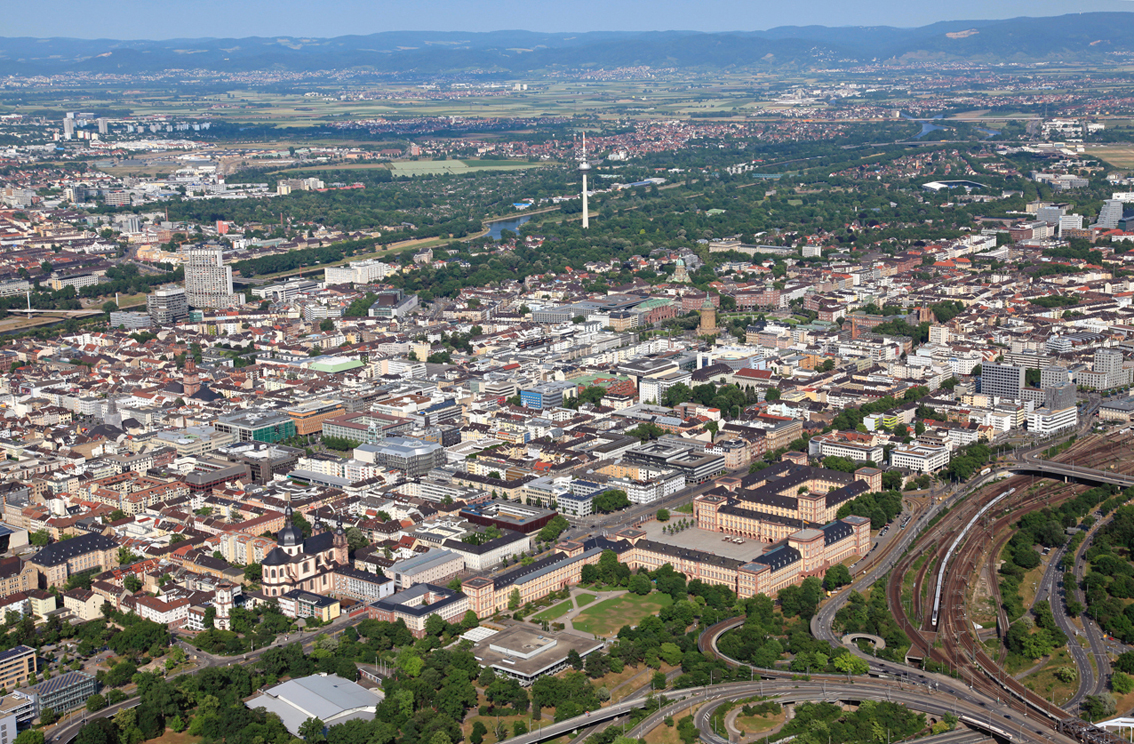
(608, 616)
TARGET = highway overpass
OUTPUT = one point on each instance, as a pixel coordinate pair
(1065, 471)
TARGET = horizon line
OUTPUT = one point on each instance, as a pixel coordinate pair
(566, 31)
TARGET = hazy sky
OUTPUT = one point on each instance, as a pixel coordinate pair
(164, 19)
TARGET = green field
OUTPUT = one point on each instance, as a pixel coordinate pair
(608, 616)
(1117, 155)
(726, 97)
(584, 599)
(555, 612)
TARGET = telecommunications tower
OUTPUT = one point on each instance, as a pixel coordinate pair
(584, 166)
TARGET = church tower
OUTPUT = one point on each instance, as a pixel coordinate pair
(190, 380)
(341, 547)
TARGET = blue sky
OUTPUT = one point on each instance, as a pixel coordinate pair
(164, 19)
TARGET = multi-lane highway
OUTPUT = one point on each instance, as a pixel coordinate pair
(924, 695)
(1052, 588)
(972, 697)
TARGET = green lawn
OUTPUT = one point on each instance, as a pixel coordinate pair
(606, 617)
(584, 599)
(756, 724)
(1044, 682)
(427, 167)
(558, 610)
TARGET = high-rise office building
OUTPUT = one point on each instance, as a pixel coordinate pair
(1107, 361)
(208, 282)
(1110, 214)
(68, 128)
(1059, 397)
(103, 125)
(1002, 380)
(167, 304)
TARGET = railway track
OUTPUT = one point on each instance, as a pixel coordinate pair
(991, 567)
(919, 596)
(952, 642)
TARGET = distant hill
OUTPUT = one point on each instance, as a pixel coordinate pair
(1085, 37)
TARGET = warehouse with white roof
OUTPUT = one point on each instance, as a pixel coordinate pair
(328, 697)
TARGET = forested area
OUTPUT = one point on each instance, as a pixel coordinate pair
(879, 508)
(853, 212)
(1034, 634)
(872, 614)
(1109, 583)
(423, 200)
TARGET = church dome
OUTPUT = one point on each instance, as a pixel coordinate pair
(275, 558)
(289, 537)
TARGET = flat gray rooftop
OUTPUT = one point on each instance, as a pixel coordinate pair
(526, 651)
(698, 539)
